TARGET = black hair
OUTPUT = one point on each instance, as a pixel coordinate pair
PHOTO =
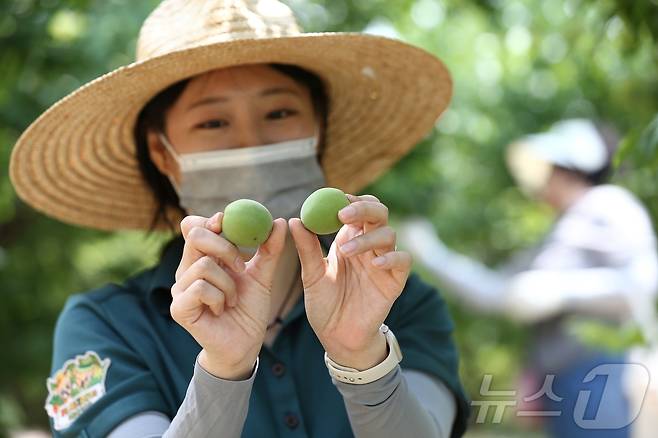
(610, 138)
(152, 118)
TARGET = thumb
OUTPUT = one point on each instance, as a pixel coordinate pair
(263, 263)
(310, 253)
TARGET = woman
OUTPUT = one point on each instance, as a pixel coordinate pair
(229, 100)
(598, 264)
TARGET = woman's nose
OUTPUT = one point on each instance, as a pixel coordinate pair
(247, 132)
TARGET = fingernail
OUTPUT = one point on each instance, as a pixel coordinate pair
(348, 247)
(239, 264)
(210, 221)
(347, 212)
(379, 261)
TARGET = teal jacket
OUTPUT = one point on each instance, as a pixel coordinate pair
(118, 352)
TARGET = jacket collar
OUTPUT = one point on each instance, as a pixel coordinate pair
(158, 290)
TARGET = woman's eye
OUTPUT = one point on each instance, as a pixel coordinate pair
(280, 114)
(213, 124)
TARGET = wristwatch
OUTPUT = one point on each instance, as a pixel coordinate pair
(356, 377)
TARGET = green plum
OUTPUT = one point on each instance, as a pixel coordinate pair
(320, 210)
(246, 223)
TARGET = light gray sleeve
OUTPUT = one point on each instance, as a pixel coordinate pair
(402, 403)
(150, 424)
(210, 404)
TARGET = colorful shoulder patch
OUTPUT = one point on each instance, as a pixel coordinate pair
(74, 387)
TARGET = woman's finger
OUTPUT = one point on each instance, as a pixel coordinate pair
(207, 269)
(188, 306)
(191, 254)
(354, 198)
(263, 264)
(213, 223)
(364, 212)
(380, 240)
(310, 253)
(201, 242)
(399, 261)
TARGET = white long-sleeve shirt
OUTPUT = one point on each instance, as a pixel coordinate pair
(599, 259)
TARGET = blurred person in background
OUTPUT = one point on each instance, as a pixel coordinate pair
(597, 263)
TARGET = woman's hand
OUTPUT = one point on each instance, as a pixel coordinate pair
(223, 302)
(349, 293)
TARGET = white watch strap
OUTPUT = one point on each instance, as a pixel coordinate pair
(356, 377)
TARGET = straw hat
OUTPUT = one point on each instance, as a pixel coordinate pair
(77, 161)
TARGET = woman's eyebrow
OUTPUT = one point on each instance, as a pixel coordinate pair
(208, 101)
(279, 90)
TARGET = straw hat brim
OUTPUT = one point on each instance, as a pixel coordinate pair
(77, 161)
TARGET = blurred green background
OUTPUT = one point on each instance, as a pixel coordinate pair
(518, 66)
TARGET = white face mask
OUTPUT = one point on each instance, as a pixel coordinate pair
(279, 176)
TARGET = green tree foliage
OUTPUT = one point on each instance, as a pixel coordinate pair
(517, 65)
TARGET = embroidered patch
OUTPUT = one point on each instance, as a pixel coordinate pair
(74, 387)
